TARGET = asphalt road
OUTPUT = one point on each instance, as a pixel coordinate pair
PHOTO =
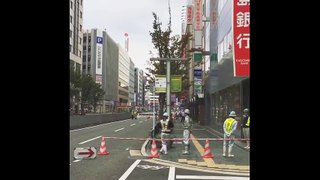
(113, 165)
(118, 164)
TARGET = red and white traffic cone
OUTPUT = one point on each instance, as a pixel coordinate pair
(154, 152)
(207, 151)
(103, 147)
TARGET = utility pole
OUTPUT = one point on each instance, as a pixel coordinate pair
(168, 60)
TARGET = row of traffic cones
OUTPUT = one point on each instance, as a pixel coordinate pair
(207, 150)
(154, 152)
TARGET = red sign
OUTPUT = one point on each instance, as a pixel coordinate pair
(198, 15)
(189, 14)
(241, 37)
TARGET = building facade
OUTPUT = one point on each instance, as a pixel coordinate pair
(75, 43)
(124, 74)
(132, 98)
(101, 61)
(224, 91)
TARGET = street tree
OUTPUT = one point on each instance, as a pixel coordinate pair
(168, 47)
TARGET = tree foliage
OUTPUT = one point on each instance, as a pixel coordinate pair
(91, 92)
(168, 47)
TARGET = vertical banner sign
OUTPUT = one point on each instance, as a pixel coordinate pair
(189, 14)
(176, 83)
(241, 37)
(99, 53)
(161, 84)
(198, 15)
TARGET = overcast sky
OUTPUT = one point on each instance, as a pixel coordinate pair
(135, 18)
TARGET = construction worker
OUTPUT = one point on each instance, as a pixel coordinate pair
(187, 126)
(229, 126)
(165, 130)
(246, 126)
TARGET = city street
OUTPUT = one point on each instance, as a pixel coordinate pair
(126, 161)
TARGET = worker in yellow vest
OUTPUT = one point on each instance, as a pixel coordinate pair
(246, 126)
(229, 127)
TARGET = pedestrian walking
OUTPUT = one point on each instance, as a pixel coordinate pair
(229, 127)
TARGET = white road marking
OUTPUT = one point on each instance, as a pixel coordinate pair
(211, 177)
(131, 168)
(133, 124)
(140, 121)
(74, 130)
(118, 129)
(90, 140)
(172, 171)
(77, 160)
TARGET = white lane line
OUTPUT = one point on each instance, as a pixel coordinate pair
(172, 171)
(90, 140)
(140, 121)
(133, 124)
(74, 130)
(77, 160)
(211, 177)
(131, 168)
(118, 130)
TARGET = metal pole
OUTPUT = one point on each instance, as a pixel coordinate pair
(154, 108)
(168, 89)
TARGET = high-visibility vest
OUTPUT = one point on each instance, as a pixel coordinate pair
(229, 123)
(248, 122)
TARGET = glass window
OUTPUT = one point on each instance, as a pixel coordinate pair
(70, 19)
(71, 4)
(80, 40)
(80, 14)
(70, 33)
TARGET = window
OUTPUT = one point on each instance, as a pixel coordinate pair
(71, 4)
(80, 40)
(70, 34)
(81, 2)
(80, 14)
(70, 47)
(70, 19)
(79, 53)
(80, 28)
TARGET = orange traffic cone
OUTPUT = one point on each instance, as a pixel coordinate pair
(103, 147)
(207, 152)
(154, 152)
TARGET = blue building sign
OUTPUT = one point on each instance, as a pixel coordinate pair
(99, 40)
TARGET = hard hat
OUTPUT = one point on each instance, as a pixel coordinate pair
(246, 110)
(187, 111)
(232, 114)
(165, 114)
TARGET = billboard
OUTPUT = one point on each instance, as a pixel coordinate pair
(241, 37)
(175, 83)
(99, 52)
(161, 84)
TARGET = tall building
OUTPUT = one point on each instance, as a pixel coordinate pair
(75, 43)
(75, 34)
(138, 86)
(225, 92)
(101, 61)
(124, 77)
(131, 85)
